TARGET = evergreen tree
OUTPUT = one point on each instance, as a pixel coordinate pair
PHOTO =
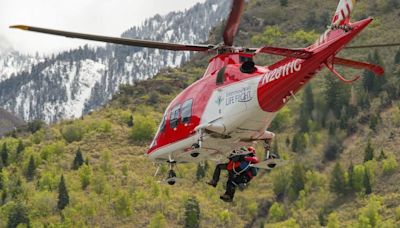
(309, 100)
(284, 2)
(4, 155)
(382, 156)
(369, 152)
(338, 180)
(351, 173)
(31, 170)
(275, 147)
(367, 183)
(63, 198)
(397, 57)
(336, 95)
(20, 147)
(298, 178)
(299, 143)
(130, 121)
(18, 215)
(78, 160)
(303, 120)
(287, 141)
(201, 171)
(1, 180)
(192, 213)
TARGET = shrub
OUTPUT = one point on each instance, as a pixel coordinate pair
(143, 129)
(276, 213)
(55, 148)
(358, 178)
(102, 126)
(192, 213)
(158, 221)
(333, 221)
(389, 165)
(123, 205)
(282, 119)
(85, 175)
(72, 133)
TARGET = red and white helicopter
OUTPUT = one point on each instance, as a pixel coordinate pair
(235, 101)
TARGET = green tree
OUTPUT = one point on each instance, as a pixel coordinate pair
(333, 221)
(1, 180)
(351, 176)
(382, 155)
(275, 147)
(299, 142)
(158, 221)
(192, 213)
(338, 179)
(130, 121)
(276, 213)
(20, 147)
(336, 95)
(368, 152)
(4, 155)
(78, 160)
(298, 178)
(72, 133)
(309, 99)
(63, 198)
(31, 169)
(367, 184)
(143, 129)
(35, 125)
(85, 176)
(201, 170)
(397, 57)
(284, 2)
(18, 215)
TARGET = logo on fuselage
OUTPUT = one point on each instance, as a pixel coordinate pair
(241, 95)
(282, 71)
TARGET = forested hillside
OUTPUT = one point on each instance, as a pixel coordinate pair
(341, 142)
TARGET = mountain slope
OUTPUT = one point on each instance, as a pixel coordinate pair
(8, 122)
(74, 82)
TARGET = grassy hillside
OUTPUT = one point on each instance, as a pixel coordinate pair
(333, 177)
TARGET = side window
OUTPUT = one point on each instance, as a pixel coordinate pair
(187, 111)
(174, 118)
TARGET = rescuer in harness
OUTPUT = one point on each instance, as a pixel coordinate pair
(240, 171)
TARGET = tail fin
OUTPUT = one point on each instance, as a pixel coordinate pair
(341, 18)
(343, 11)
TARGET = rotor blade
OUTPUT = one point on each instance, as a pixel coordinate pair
(232, 24)
(373, 45)
(117, 40)
(293, 53)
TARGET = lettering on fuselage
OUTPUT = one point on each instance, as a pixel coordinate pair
(241, 95)
(282, 71)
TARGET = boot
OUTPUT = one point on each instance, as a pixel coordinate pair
(212, 183)
(226, 198)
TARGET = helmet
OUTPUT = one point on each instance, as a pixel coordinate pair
(251, 149)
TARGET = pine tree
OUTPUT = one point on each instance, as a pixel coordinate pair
(336, 95)
(4, 155)
(298, 178)
(18, 215)
(130, 121)
(31, 170)
(309, 100)
(369, 152)
(367, 183)
(63, 198)
(1, 180)
(350, 184)
(20, 147)
(200, 173)
(284, 2)
(275, 147)
(78, 160)
(338, 180)
(287, 141)
(382, 156)
(397, 57)
(192, 213)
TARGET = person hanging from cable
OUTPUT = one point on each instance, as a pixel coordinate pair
(240, 171)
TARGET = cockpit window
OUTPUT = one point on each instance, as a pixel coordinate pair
(174, 118)
(162, 125)
(187, 111)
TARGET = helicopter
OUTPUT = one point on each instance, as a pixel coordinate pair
(235, 101)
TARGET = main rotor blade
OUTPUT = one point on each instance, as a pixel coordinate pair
(232, 24)
(373, 45)
(117, 40)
